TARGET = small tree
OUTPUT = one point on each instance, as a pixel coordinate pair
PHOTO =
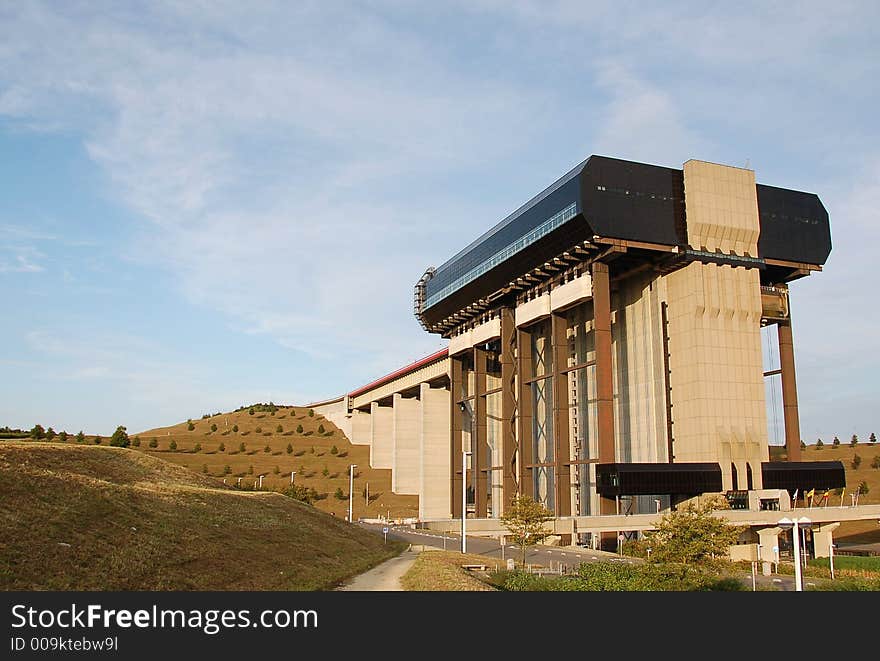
(190, 426)
(325, 472)
(267, 449)
(872, 438)
(241, 447)
(197, 447)
(222, 447)
(691, 535)
(819, 444)
(279, 429)
(301, 493)
(299, 429)
(290, 448)
(136, 442)
(98, 440)
(80, 437)
(334, 450)
(339, 494)
(154, 443)
(524, 520)
(863, 488)
(250, 470)
(251, 411)
(259, 430)
(835, 443)
(875, 462)
(227, 469)
(213, 426)
(120, 438)
(172, 445)
(311, 413)
(62, 437)
(320, 429)
(37, 432)
(276, 470)
(235, 428)
(856, 462)
(50, 434)
(803, 445)
(854, 441)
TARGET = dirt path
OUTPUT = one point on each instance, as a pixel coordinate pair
(384, 578)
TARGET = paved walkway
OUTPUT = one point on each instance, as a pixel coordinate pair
(383, 578)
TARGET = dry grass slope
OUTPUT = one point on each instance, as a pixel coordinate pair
(311, 455)
(442, 571)
(97, 518)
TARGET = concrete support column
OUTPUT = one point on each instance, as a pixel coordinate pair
(434, 489)
(789, 391)
(455, 375)
(479, 447)
(561, 450)
(405, 445)
(823, 538)
(381, 429)
(361, 428)
(604, 371)
(768, 540)
(524, 408)
(508, 406)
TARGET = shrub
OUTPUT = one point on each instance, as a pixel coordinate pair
(312, 450)
(338, 494)
(98, 440)
(241, 447)
(279, 429)
(292, 412)
(197, 447)
(251, 411)
(37, 432)
(154, 443)
(227, 469)
(50, 434)
(206, 416)
(259, 430)
(320, 429)
(299, 429)
(289, 448)
(835, 443)
(267, 449)
(62, 437)
(325, 472)
(80, 437)
(819, 444)
(120, 438)
(854, 441)
(863, 488)
(856, 462)
(172, 445)
(250, 470)
(136, 441)
(872, 438)
(235, 428)
(334, 450)
(301, 493)
(875, 462)
(222, 447)
(213, 427)
(311, 413)
(190, 426)
(691, 535)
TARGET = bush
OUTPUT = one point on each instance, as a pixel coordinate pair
(241, 447)
(856, 462)
(819, 444)
(227, 469)
(37, 432)
(80, 437)
(875, 462)
(267, 449)
(325, 472)
(154, 443)
(50, 434)
(863, 488)
(213, 427)
(120, 438)
(250, 411)
(279, 429)
(222, 447)
(320, 429)
(235, 428)
(301, 493)
(691, 535)
(250, 470)
(276, 470)
(197, 447)
(334, 450)
(172, 445)
(312, 450)
(259, 430)
(338, 494)
(835, 443)
(289, 448)
(62, 437)
(190, 426)
(136, 441)
(98, 440)
(299, 429)
(311, 413)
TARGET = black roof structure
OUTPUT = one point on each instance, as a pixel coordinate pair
(615, 199)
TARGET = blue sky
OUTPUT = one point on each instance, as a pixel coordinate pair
(205, 205)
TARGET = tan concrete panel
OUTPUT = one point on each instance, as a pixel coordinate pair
(575, 291)
(434, 425)
(405, 450)
(360, 428)
(381, 442)
(537, 308)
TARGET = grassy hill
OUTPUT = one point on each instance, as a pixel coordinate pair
(199, 449)
(855, 531)
(87, 517)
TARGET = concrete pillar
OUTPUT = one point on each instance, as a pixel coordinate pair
(508, 406)
(435, 487)
(524, 408)
(561, 449)
(361, 428)
(479, 447)
(455, 417)
(789, 391)
(604, 372)
(381, 443)
(768, 539)
(405, 437)
(823, 538)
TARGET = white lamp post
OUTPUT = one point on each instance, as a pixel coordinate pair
(292, 473)
(464, 456)
(350, 490)
(794, 525)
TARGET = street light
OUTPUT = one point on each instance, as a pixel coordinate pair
(786, 524)
(464, 455)
(350, 490)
